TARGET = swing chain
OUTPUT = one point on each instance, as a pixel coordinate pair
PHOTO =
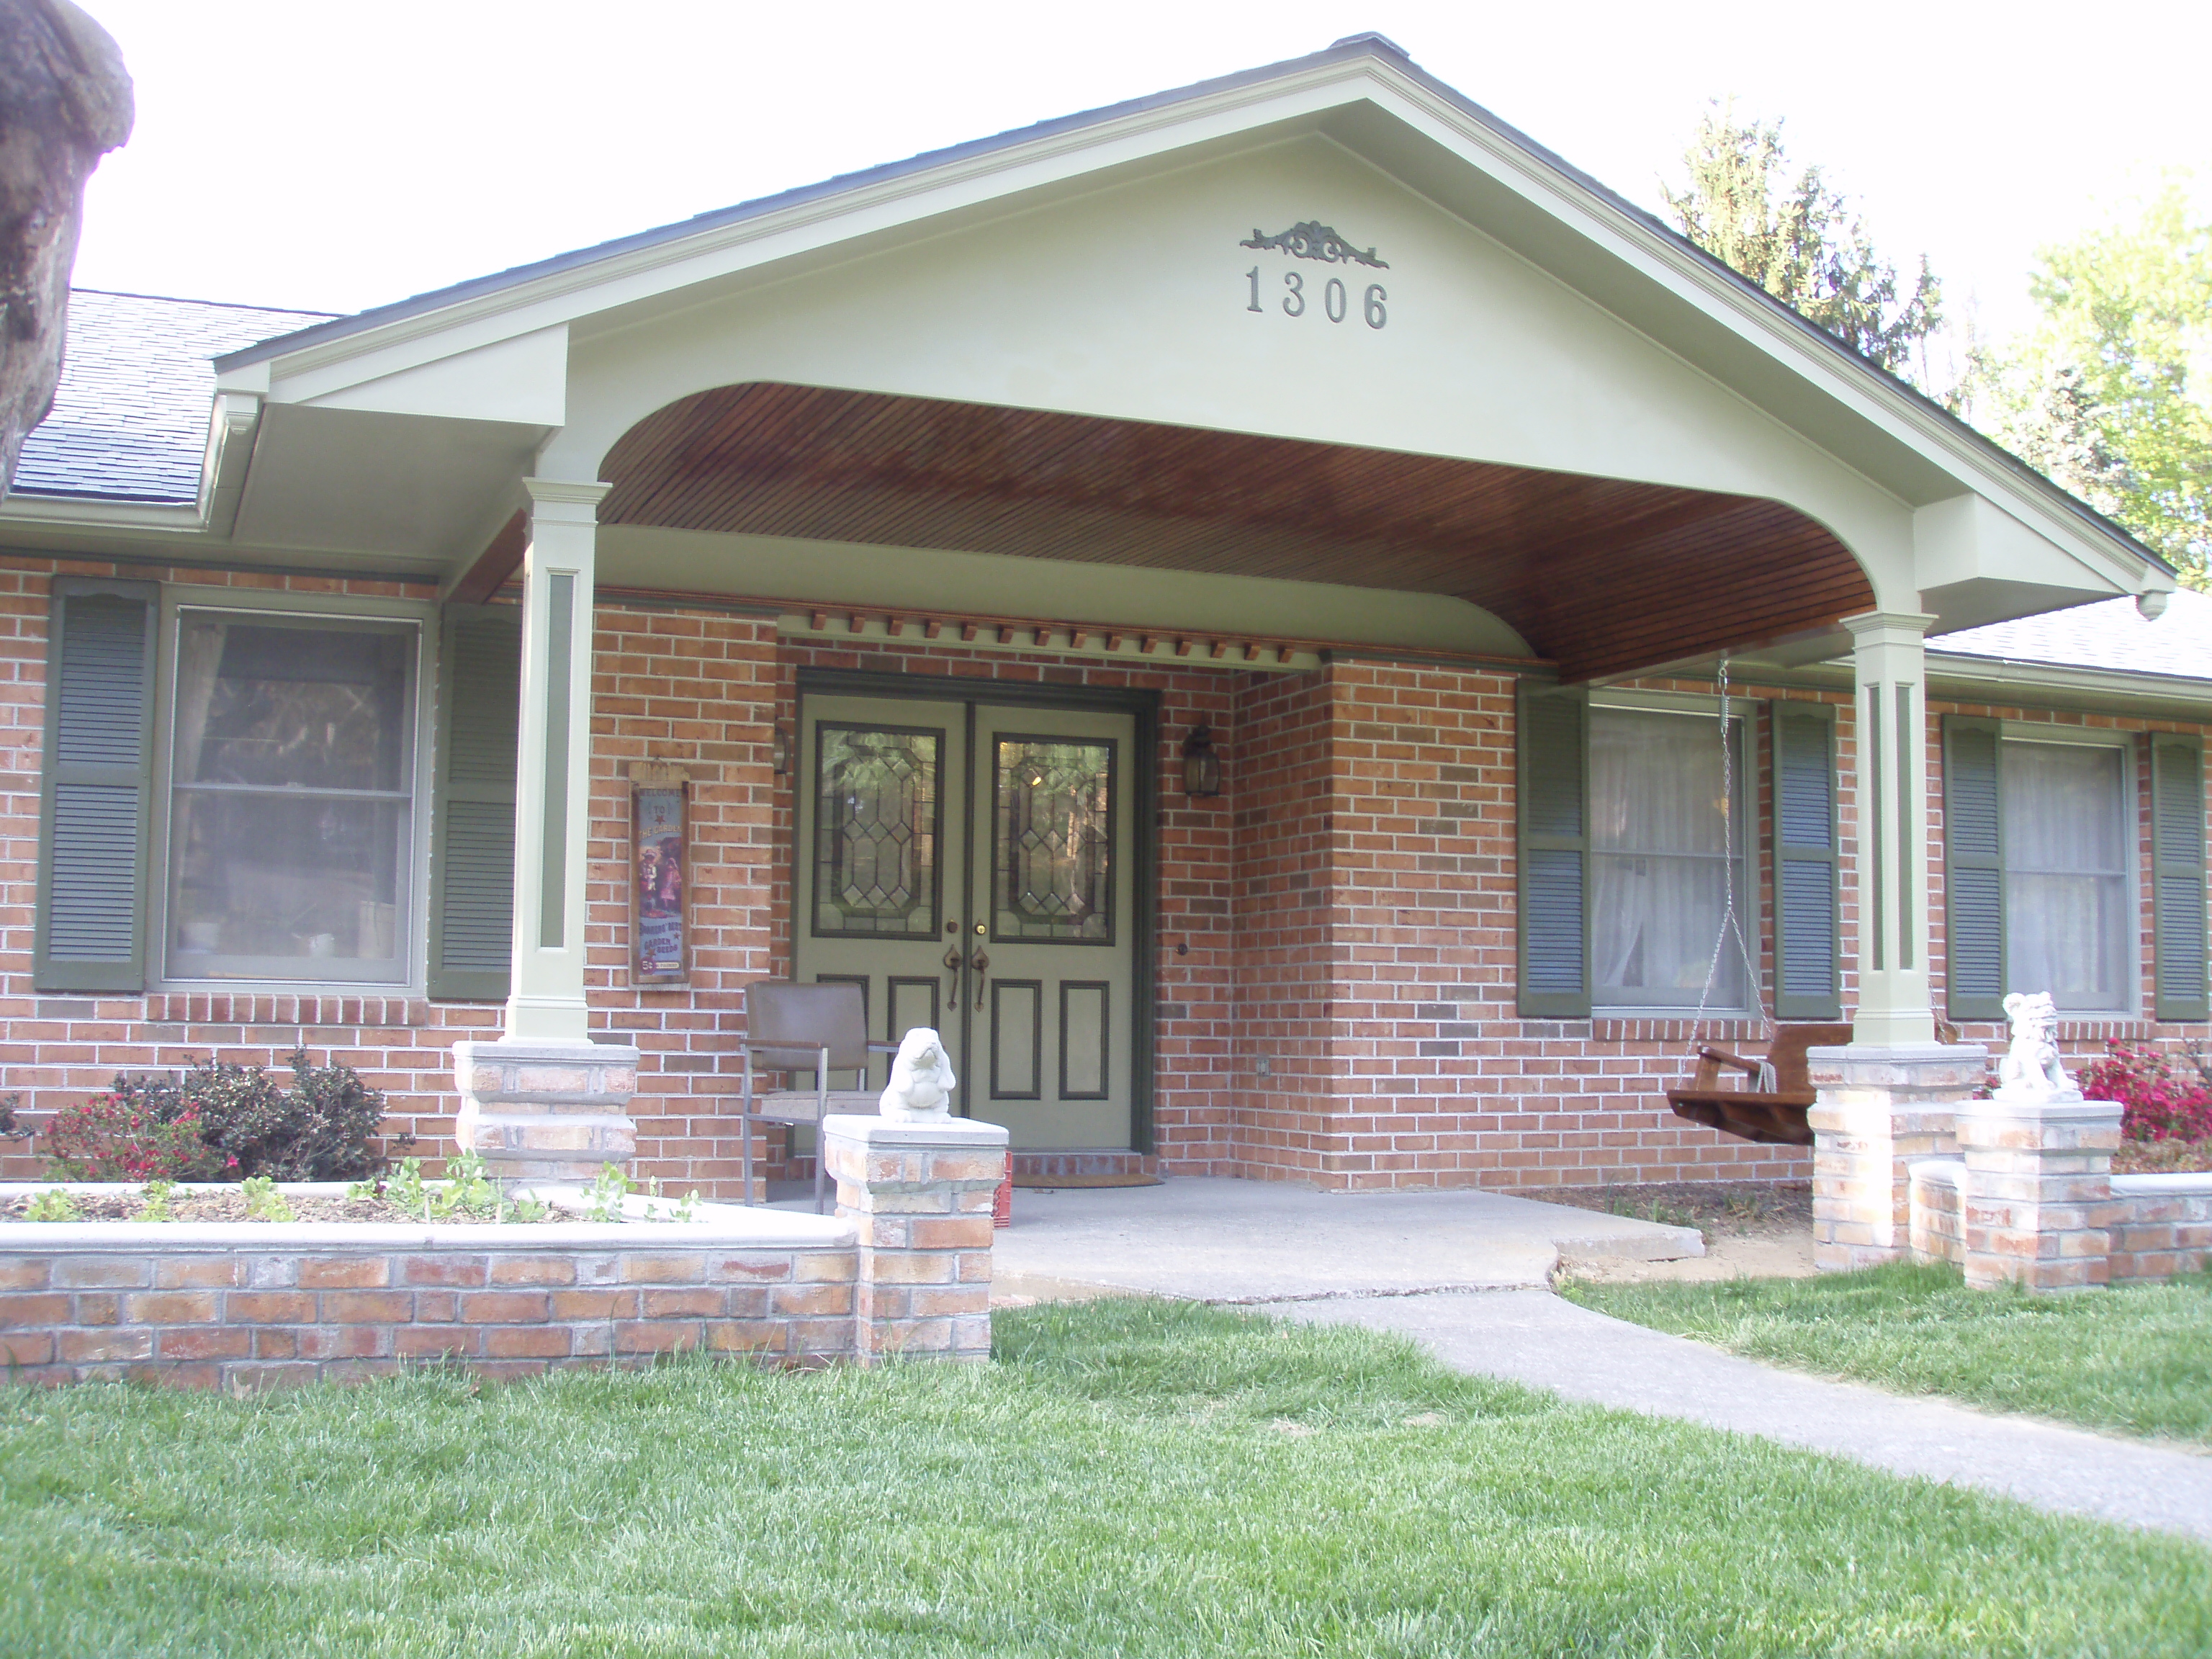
(1731, 922)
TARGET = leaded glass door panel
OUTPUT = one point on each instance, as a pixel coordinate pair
(967, 865)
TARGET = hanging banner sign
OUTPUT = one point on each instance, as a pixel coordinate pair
(660, 873)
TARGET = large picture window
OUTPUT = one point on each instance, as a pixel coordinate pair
(1663, 863)
(291, 801)
(2069, 922)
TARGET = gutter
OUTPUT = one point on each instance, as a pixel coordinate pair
(233, 424)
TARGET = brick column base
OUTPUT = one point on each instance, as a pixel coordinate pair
(921, 1195)
(553, 1112)
(1878, 1112)
(2039, 1192)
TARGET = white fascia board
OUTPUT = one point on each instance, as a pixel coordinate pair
(232, 419)
(641, 274)
(518, 377)
(2045, 683)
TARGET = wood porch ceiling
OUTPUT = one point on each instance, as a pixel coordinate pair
(1602, 576)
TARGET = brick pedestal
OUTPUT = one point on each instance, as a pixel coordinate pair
(545, 1111)
(2038, 1205)
(919, 1194)
(1878, 1112)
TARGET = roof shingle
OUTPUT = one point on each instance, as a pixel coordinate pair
(129, 420)
(2110, 634)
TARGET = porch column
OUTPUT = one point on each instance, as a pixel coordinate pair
(1890, 1099)
(552, 794)
(545, 1103)
(1890, 665)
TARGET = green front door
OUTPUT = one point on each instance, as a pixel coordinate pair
(969, 865)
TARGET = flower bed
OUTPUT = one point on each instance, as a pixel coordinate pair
(245, 1304)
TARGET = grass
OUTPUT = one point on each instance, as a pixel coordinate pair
(2137, 1358)
(1132, 1478)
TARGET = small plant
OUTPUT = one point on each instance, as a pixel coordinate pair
(155, 1199)
(688, 1209)
(263, 1202)
(116, 1137)
(52, 1204)
(608, 1191)
(2158, 1102)
(320, 1128)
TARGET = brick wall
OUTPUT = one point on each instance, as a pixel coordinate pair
(1334, 938)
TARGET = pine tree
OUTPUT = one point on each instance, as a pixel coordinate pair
(1799, 240)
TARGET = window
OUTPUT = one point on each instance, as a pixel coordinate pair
(291, 797)
(1662, 862)
(2069, 922)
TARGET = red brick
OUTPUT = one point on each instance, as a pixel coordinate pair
(269, 1308)
(527, 1342)
(170, 1307)
(442, 1270)
(655, 1336)
(363, 1307)
(204, 1342)
(344, 1273)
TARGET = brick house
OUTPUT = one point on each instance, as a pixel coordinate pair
(1283, 619)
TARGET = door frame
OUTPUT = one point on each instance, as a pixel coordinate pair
(1143, 703)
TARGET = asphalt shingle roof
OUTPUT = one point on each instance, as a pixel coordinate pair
(2110, 634)
(129, 420)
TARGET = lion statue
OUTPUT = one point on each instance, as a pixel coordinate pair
(921, 1079)
(2031, 1069)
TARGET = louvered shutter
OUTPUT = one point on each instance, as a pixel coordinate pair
(2177, 809)
(96, 801)
(1553, 817)
(473, 821)
(1807, 957)
(1973, 867)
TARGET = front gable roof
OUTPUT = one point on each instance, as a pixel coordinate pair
(1363, 93)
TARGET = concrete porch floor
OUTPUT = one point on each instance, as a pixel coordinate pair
(1219, 1240)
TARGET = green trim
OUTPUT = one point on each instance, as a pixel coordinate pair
(126, 974)
(1553, 773)
(1973, 847)
(2178, 879)
(1792, 1002)
(462, 627)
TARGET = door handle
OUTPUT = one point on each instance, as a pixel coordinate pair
(952, 962)
(980, 962)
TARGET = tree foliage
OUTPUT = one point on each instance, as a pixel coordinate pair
(2110, 394)
(1798, 239)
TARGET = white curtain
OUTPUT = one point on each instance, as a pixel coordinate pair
(2066, 883)
(1660, 869)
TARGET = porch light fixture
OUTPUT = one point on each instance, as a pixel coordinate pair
(780, 750)
(1201, 767)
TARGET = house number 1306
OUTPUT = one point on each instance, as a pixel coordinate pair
(1335, 299)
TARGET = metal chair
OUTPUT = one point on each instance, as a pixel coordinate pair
(799, 1028)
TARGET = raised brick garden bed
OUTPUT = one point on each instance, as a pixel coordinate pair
(246, 1304)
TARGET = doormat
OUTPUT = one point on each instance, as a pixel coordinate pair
(1049, 1183)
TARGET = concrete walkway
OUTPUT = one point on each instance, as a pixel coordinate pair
(1257, 1241)
(1464, 1272)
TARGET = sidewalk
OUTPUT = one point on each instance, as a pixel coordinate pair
(1466, 1274)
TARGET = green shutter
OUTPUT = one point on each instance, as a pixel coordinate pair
(96, 801)
(2177, 811)
(1807, 957)
(473, 817)
(1973, 867)
(1554, 852)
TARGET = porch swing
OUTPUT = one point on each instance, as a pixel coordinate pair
(1771, 1104)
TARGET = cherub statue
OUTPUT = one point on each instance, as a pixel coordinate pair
(2031, 1069)
(921, 1079)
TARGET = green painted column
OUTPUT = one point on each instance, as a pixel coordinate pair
(1890, 664)
(552, 783)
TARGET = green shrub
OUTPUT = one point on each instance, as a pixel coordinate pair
(114, 1137)
(321, 1128)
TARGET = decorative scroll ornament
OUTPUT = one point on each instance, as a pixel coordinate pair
(1309, 240)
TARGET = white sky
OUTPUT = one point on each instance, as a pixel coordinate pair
(292, 153)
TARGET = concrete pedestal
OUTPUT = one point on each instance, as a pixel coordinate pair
(921, 1196)
(2038, 1196)
(1879, 1110)
(543, 1111)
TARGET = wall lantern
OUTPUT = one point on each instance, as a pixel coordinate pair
(779, 751)
(1201, 767)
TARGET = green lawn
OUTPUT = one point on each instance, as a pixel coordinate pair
(1135, 1478)
(2137, 1359)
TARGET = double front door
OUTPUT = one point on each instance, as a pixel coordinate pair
(967, 864)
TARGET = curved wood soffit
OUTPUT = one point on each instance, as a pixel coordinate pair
(1600, 575)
